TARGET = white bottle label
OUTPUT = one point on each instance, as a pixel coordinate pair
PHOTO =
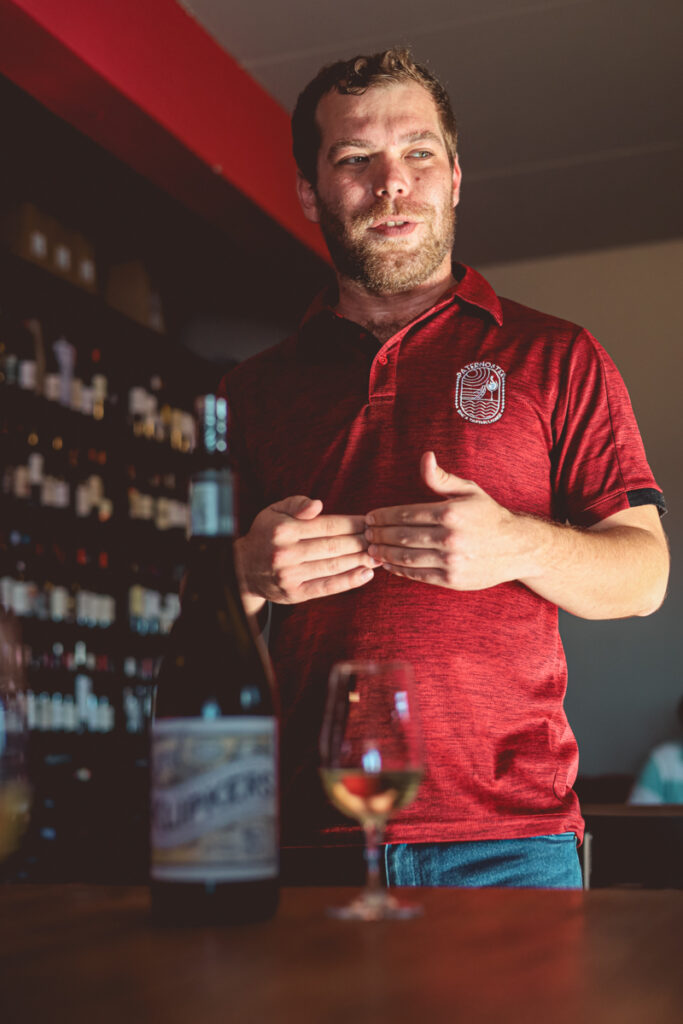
(36, 463)
(62, 258)
(27, 374)
(211, 504)
(51, 386)
(214, 800)
(86, 271)
(37, 244)
(22, 482)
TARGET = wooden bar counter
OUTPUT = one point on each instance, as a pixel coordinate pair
(73, 954)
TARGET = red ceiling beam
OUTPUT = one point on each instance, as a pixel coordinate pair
(96, 65)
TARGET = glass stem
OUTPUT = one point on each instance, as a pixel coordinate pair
(373, 837)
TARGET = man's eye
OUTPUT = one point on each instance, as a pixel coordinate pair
(353, 160)
(422, 154)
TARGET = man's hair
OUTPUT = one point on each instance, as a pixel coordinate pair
(353, 77)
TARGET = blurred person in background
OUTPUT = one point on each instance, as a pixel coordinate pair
(661, 778)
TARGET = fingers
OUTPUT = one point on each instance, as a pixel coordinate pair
(291, 531)
(412, 558)
(318, 548)
(336, 584)
(432, 513)
(454, 487)
(437, 479)
(292, 553)
(409, 536)
(298, 506)
(328, 567)
(310, 523)
(333, 526)
(304, 582)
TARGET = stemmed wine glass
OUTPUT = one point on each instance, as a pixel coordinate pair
(371, 764)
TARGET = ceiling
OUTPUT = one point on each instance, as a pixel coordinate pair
(569, 110)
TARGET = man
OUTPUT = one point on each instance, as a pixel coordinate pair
(428, 472)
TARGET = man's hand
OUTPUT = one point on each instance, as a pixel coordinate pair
(466, 542)
(616, 568)
(293, 553)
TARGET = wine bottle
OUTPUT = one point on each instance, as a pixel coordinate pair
(214, 813)
(26, 349)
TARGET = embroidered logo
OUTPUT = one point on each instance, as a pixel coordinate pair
(480, 392)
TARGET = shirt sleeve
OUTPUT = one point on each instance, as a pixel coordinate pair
(599, 462)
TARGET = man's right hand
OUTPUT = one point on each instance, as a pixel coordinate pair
(293, 553)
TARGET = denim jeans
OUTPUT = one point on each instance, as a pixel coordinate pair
(542, 862)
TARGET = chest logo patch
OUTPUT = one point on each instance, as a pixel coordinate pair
(480, 392)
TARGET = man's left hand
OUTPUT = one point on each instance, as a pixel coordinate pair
(465, 542)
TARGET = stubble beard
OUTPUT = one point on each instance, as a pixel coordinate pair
(384, 266)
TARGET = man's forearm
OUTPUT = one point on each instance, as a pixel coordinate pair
(610, 571)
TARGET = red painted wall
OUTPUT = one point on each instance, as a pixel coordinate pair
(98, 65)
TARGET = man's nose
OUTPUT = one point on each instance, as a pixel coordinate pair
(390, 178)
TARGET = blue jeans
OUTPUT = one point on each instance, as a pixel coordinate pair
(542, 862)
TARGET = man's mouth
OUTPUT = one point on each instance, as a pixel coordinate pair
(394, 228)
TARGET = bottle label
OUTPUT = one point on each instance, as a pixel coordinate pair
(211, 504)
(36, 463)
(27, 374)
(214, 800)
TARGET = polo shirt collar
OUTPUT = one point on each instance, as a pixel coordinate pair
(471, 288)
(475, 290)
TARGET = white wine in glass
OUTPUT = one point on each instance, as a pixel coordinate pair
(371, 764)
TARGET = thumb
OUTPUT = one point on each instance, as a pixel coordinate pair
(299, 507)
(438, 480)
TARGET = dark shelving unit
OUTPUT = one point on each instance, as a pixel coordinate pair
(90, 785)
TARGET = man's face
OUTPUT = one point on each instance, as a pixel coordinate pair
(386, 193)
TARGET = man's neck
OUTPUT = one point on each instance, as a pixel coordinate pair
(385, 315)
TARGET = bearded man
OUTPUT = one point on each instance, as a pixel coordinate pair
(427, 472)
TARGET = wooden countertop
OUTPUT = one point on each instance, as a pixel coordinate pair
(78, 953)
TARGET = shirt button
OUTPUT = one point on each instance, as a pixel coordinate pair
(382, 360)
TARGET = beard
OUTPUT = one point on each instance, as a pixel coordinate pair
(384, 266)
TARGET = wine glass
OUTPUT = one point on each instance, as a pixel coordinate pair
(371, 764)
(15, 791)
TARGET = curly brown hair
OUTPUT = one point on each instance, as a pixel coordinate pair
(353, 77)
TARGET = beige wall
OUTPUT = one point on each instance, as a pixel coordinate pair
(624, 677)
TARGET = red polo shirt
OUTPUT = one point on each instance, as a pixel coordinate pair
(533, 410)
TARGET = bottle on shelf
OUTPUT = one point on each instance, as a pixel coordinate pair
(22, 455)
(98, 385)
(25, 351)
(65, 354)
(9, 359)
(52, 377)
(214, 810)
(152, 417)
(94, 387)
(56, 486)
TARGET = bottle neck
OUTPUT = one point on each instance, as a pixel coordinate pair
(212, 507)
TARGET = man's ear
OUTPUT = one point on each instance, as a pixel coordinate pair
(457, 178)
(307, 198)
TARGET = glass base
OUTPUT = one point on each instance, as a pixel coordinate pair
(375, 906)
